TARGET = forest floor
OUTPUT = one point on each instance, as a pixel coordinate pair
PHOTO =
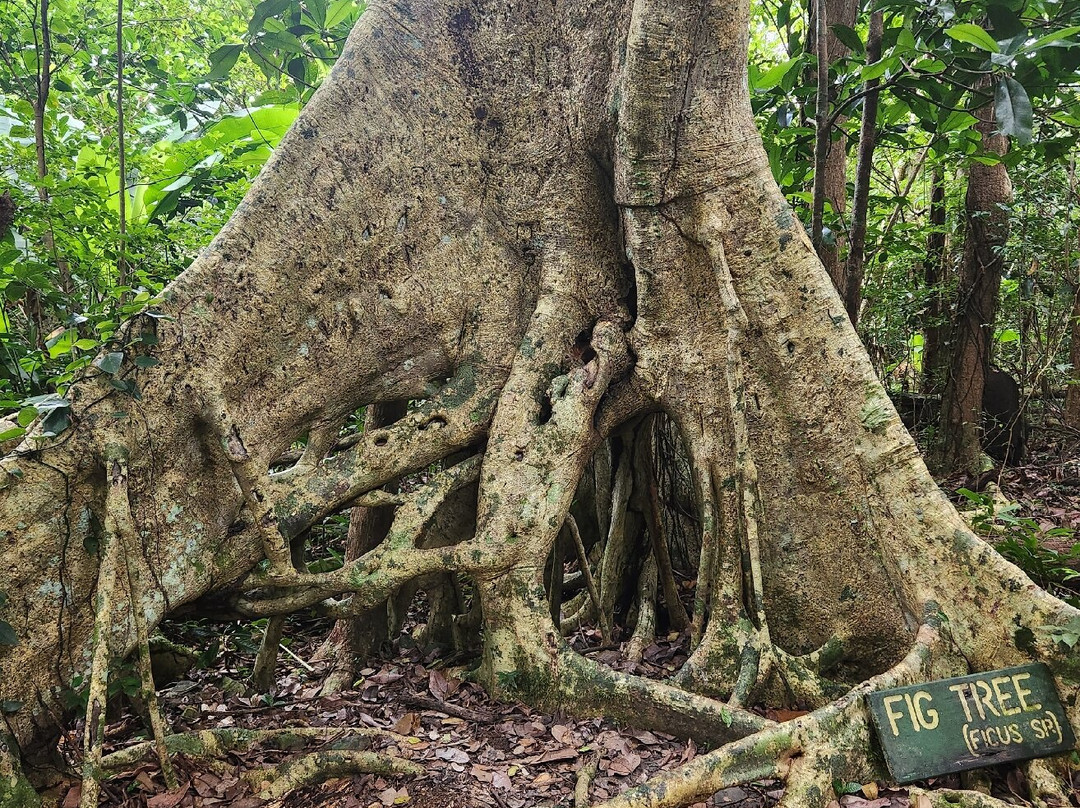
(477, 752)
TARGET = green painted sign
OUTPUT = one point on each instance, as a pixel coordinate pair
(970, 721)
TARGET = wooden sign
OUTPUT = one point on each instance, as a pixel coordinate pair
(969, 722)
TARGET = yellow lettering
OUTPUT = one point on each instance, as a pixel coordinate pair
(893, 716)
(959, 690)
(1003, 698)
(985, 696)
(911, 712)
(1014, 731)
(928, 719)
(1037, 725)
(1021, 692)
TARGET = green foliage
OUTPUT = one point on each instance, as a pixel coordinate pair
(209, 91)
(1023, 541)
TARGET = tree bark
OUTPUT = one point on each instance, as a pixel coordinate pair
(986, 231)
(855, 268)
(935, 348)
(830, 158)
(541, 221)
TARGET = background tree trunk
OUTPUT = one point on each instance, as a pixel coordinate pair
(830, 156)
(972, 333)
(935, 349)
(855, 266)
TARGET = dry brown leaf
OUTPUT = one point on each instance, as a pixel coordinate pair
(562, 734)
(501, 780)
(624, 764)
(452, 755)
(169, 799)
(870, 790)
(921, 801)
(566, 753)
(408, 724)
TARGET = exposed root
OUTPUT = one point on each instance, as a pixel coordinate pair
(809, 780)
(585, 777)
(830, 743)
(953, 798)
(274, 782)
(1045, 787)
(216, 743)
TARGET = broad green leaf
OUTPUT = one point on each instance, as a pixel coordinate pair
(955, 121)
(339, 12)
(263, 11)
(7, 634)
(975, 35)
(1007, 335)
(850, 37)
(110, 363)
(146, 361)
(11, 434)
(1012, 109)
(1059, 39)
(27, 415)
(222, 61)
(774, 75)
(879, 68)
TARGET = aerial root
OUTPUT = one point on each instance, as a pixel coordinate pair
(94, 731)
(119, 542)
(274, 782)
(370, 578)
(645, 630)
(147, 689)
(583, 564)
(645, 470)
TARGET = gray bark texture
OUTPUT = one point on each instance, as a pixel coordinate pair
(541, 221)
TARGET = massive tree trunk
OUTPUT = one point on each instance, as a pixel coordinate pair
(542, 220)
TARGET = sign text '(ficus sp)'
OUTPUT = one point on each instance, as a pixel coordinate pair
(971, 721)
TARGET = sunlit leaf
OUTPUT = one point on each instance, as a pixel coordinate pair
(972, 34)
